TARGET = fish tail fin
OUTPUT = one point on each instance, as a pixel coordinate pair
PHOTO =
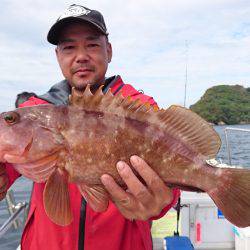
(56, 199)
(232, 195)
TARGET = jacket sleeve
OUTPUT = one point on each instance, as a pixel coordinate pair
(32, 101)
(176, 195)
(129, 90)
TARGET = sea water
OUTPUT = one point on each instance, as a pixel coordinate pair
(239, 145)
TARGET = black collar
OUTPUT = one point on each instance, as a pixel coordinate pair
(59, 93)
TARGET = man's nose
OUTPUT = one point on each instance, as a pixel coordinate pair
(82, 55)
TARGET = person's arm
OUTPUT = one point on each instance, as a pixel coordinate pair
(3, 181)
(141, 201)
(7, 177)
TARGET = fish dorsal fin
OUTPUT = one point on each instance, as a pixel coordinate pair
(80, 98)
(178, 122)
(109, 103)
(191, 129)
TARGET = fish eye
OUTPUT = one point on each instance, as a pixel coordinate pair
(11, 118)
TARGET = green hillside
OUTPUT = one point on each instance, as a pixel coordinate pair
(224, 104)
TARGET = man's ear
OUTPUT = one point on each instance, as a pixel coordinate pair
(56, 50)
(110, 53)
(58, 56)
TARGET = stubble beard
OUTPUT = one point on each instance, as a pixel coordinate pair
(81, 85)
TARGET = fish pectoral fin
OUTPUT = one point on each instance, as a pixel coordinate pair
(56, 198)
(96, 196)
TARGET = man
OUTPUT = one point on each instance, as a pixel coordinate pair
(83, 52)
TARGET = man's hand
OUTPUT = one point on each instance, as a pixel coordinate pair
(3, 181)
(140, 201)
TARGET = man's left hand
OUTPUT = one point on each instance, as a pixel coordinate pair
(140, 201)
(3, 181)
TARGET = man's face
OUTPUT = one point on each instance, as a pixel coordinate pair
(83, 54)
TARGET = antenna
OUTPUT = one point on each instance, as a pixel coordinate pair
(186, 73)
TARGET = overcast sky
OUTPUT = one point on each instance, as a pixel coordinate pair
(153, 41)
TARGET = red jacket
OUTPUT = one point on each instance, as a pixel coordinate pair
(106, 231)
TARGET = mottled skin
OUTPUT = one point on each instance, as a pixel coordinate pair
(85, 144)
(89, 144)
(103, 139)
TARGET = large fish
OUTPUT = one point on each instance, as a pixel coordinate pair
(81, 142)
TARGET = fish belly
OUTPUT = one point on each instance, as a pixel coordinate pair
(105, 140)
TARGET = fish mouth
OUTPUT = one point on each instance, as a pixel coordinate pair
(17, 157)
(22, 158)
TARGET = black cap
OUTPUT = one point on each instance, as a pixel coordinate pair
(76, 13)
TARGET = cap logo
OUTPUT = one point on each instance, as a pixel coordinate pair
(74, 10)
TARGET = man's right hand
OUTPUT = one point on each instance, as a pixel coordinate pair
(3, 181)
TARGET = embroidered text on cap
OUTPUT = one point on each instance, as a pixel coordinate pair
(74, 10)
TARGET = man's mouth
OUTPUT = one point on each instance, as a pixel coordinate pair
(82, 70)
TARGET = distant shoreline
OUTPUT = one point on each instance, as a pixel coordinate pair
(224, 105)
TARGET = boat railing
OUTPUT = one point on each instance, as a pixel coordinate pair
(15, 211)
(226, 130)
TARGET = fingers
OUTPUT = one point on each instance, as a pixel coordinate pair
(154, 183)
(116, 192)
(141, 201)
(3, 182)
(2, 169)
(134, 185)
(2, 195)
(146, 172)
(122, 199)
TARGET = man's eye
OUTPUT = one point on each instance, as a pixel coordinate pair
(92, 45)
(68, 47)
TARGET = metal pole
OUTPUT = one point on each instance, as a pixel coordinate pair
(228, 148)
(8, 223)
(186, 74)
(227, 141)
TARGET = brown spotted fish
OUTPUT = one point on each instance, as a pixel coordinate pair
(81, 142)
